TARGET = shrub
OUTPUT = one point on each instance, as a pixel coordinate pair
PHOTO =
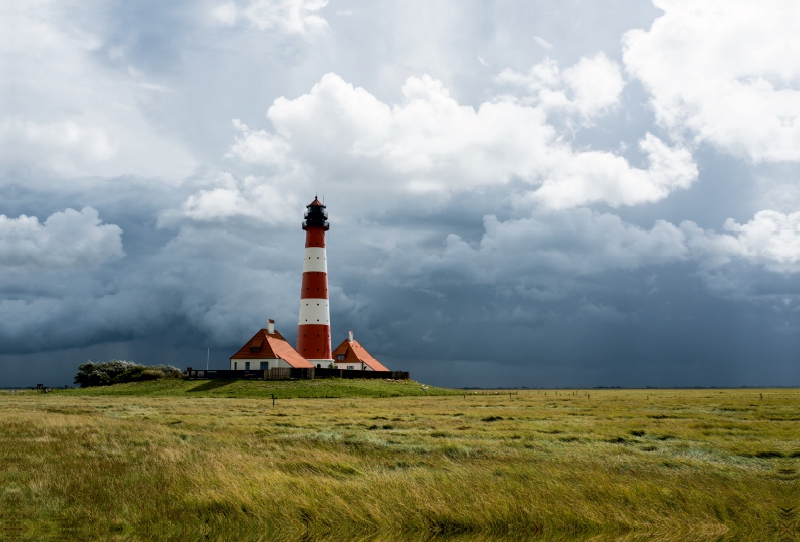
(119, 371)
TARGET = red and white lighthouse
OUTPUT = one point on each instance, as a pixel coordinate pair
(314, 327)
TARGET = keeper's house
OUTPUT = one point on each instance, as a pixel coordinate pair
(268, 350)
(351, 355)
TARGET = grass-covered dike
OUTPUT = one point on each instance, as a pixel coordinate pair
(232, 389)
(169, 463)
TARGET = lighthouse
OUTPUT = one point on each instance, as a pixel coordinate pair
(314, 326)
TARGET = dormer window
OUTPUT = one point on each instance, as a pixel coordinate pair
(340, 357)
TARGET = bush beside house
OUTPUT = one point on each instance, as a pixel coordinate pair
(119, 371)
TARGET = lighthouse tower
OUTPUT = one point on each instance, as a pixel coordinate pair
(314, 327)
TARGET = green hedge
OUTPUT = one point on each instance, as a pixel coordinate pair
(119, 371)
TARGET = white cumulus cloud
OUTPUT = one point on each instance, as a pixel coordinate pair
(589, 177)
(66, 240)
(590, 88)
(771, 240)
(272, 198)
(431, 145)
(725, 71)
(258, 146)
(252, 197)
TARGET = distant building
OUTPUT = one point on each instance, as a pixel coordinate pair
(351, 355)
(267, 350)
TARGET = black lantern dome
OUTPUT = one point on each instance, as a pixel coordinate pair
(316, 216)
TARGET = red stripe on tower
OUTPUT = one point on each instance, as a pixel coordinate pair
(314, 326)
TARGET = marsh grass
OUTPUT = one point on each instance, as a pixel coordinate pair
(620, 465)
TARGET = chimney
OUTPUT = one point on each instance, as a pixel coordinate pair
(351, 337)
(270, 326)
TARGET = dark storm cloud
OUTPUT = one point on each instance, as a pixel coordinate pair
(510, 204)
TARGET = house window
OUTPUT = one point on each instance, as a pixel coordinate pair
(264, 365)
(246, 365)
(350, 367)
(235, 365)
(340, 357)
(255, 348)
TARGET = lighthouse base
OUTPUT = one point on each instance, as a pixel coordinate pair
(323, 363)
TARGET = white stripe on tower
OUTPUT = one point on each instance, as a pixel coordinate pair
(315, 260)
(314, 311)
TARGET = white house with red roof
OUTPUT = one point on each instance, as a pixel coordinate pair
(268, 350)
(351, 355)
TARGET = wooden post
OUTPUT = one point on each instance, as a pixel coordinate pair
(273, 399)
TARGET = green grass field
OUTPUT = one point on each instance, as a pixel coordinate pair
(172, 463)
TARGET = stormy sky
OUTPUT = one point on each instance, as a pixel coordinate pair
(530, 193)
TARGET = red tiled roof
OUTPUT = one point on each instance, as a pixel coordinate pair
(285, 351)
(266, 346)
(353, 351)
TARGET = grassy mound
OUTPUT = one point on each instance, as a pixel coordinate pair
(281, 389)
